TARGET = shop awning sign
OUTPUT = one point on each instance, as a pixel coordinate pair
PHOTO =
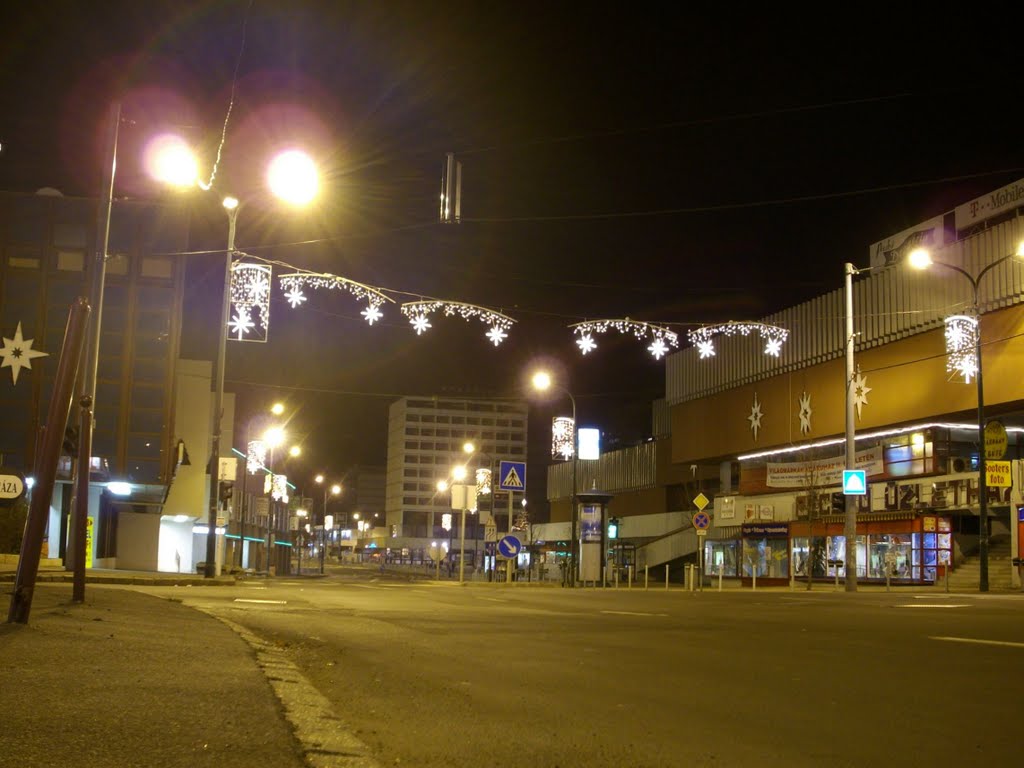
(855, 482)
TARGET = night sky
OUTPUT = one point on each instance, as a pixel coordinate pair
(640, 160)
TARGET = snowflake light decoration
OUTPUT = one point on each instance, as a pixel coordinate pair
(756, 414)
(498, 324)
(805, 413)
(293, 284)
(586, 343)
(256, 456)
(773, 336)
(563, 431)
(420, 323)
(17, 353)
(250, 300)
(279, 489)
(661, 338)
(961, 345)
(483, 481)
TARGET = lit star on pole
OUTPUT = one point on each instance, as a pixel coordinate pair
(586, 343)
(705, 349)
(805, 413)
(372, 314)
(17, 353)
(658, 348)
(241, 324)
(295, 297)
(496, 335)
(755, 417)
(420, 323)
(860, 391)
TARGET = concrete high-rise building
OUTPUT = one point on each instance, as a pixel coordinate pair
(426, 436)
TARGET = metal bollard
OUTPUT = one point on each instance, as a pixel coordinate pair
(666, 575)
(646, 577)
(720, 568)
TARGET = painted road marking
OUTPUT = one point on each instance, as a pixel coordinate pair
(633, 613)
(253, 600)
(978, 642)
(934, 605)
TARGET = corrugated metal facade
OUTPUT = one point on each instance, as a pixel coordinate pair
(889, 304)
(628, 469)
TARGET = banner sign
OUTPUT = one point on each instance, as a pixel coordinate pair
(753, 529)
(985, 207)
(823, 472)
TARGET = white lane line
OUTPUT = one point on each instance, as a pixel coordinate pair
(493, 600)
(977, 641)
(633, 613)
(253, 600)
(934, 605)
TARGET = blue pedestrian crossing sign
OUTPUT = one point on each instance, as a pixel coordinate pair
(512, 476)
(855, 482)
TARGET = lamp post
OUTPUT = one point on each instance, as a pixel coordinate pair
(849, 501)
(541, 382)
(335, 490)
(921, 259)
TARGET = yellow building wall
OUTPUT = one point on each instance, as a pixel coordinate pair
(907, 380)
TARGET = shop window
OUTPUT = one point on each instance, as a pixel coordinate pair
(767, 557)
(721, 556)
(22, 258)
(70, 261)
(117, 264)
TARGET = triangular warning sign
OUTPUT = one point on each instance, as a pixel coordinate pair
(512, 479)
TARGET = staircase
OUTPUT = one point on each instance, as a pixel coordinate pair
(966, 576)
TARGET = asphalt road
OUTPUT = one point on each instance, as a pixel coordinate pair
(490, 675)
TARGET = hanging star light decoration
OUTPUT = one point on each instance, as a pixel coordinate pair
(250, 300)
(860, 391)
(961, 346)
(586, 343)
(17, 353)
(279, 489)
(498, 323)
(773, 336)
(805, 413)
(661, 338)
(755, 417)
(294, 283)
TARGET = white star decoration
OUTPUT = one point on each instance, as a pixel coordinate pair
(706, 349)
(805, 413)
(773, 347)
(420, 323)
(496, 335)
(241, 324)
(295, 297)
(658, 348)
(372, 314)
(755, 417)
(586, 343)
(860, 391)
(17, 353)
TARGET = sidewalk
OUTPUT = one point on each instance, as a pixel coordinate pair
(129, 679)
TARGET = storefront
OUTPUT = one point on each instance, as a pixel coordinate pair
(914, 548)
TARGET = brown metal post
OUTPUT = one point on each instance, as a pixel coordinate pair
(82, 492)
(46, 464)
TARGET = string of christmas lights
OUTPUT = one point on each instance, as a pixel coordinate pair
(293, 284)
(661, 338)
(419, 313)
(961, 341)
(256, 456)
(773, 336)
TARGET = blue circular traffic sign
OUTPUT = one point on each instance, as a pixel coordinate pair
(701, 520)
(509, 546)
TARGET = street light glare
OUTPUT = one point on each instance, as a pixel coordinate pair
(468, 447)
(230, 202)
(541, 380)
(459, 472)
(919, 258)
(294, 451)
(442, 486)
(277, 409)
(293, 177)
(170, 160)
(1020, 249)
(335, 489)
(319, 478)
(274, 436)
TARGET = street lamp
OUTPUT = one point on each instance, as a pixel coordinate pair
(542, 382)
(921, 259)
(334, 490)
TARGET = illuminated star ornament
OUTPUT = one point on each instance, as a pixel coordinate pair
(498, 324)
(241, 324)
(250, 300)
(294, 285)
(860, 391)
(755, 417)
(17, 353)
(662, 339)
(805, 413)
(772, 335)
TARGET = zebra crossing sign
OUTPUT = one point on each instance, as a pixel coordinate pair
(512, 476)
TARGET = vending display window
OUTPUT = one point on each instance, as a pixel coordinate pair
(721, 556)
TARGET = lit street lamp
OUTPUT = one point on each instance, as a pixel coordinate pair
(335, 490)
(921, 259)
(542, 382)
